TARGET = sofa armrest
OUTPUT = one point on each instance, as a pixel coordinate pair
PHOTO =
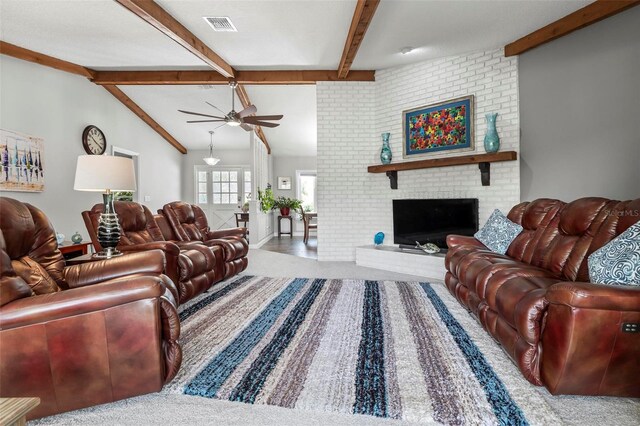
(586, 349)
(189, 245)
(231, 232)
(454, 240)
(233, 248)
(168, 247)
(595, 296)
(77, 301)
(148, 262)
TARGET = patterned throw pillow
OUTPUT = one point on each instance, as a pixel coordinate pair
(498, 233)
(618, 262)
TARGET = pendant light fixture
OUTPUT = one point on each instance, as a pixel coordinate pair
(211, 160)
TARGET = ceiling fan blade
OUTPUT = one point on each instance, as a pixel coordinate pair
(268, 117)
(266, 124)
(205, 121)
(197, 113)
(255, 118)
(246, 127)
(251, 109)
(212, 105)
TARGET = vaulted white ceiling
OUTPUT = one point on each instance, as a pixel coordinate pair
(272, 34)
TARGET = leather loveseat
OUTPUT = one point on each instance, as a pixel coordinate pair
(81, 335)
(562, 331)
(189, 223)
(194, 267)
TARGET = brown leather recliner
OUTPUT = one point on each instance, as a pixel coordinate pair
(189, 223)
(81, 335)
(562, 331)
(193, 267)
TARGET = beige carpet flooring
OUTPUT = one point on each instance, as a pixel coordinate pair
(161, 409)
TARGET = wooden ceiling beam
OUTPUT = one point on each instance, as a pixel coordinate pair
(362, 17)
(126, 101)
(244, 99)
(155, 15)
(286, 77)
(590, 14)
(42, 59)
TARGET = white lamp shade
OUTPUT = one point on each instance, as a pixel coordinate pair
(104, 172)
(212, 161)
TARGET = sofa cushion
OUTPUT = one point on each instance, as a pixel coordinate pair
(618, 262)
(34, 275)
(498, 233)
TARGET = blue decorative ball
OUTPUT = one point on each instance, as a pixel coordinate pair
(379, 238)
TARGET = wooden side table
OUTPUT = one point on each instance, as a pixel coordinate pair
(70, 250)
(13, 411)
(290, 233)
(242, 217)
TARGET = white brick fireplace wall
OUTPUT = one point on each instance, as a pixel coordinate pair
(352, 204)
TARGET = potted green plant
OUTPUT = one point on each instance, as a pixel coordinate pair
(266, 199)
(285, 204)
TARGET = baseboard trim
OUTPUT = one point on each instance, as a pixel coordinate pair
(262, 242)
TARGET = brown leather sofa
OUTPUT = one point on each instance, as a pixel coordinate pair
(193, 267)
(189, 223)
(81, 335)
(562, 331)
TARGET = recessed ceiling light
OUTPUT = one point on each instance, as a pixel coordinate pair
(220, 23)
(405, 50)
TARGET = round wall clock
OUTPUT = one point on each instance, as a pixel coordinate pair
(94, 141)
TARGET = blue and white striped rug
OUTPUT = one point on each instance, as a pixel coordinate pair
(387, 349)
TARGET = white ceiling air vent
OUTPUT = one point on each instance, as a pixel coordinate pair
(220, 23)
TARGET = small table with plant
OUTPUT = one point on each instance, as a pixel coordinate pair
(285, 204)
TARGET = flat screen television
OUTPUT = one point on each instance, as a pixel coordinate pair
(431, 220)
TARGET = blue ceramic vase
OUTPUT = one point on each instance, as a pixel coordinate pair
(385, 152)
(491, 139)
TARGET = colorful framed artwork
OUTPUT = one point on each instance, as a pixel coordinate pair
(438, 127)
(21, 162)
(284, 182)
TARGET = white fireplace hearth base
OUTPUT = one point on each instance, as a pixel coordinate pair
(413, 262)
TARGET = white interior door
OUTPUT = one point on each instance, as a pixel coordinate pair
(220, 193)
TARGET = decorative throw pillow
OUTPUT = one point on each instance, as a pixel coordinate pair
(498, 233)
(618, 261)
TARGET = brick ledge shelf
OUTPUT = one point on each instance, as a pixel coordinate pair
(482, 160)
(392, 258)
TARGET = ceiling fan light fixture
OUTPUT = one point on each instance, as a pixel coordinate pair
(234, 123)
(211, 160)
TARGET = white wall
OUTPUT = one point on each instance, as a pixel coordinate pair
(228, 157)
(260, 224)
(580, 97)
(57, 106)
(352, 204)
(287, 166)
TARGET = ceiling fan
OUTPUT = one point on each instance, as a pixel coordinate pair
(243, 118)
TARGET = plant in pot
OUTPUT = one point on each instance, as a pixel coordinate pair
(285, 204)
(266, 199)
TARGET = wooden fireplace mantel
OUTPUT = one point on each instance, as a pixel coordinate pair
(482, 160)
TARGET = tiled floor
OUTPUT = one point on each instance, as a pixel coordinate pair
(294, 246)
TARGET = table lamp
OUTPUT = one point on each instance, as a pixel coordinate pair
(106, 173)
